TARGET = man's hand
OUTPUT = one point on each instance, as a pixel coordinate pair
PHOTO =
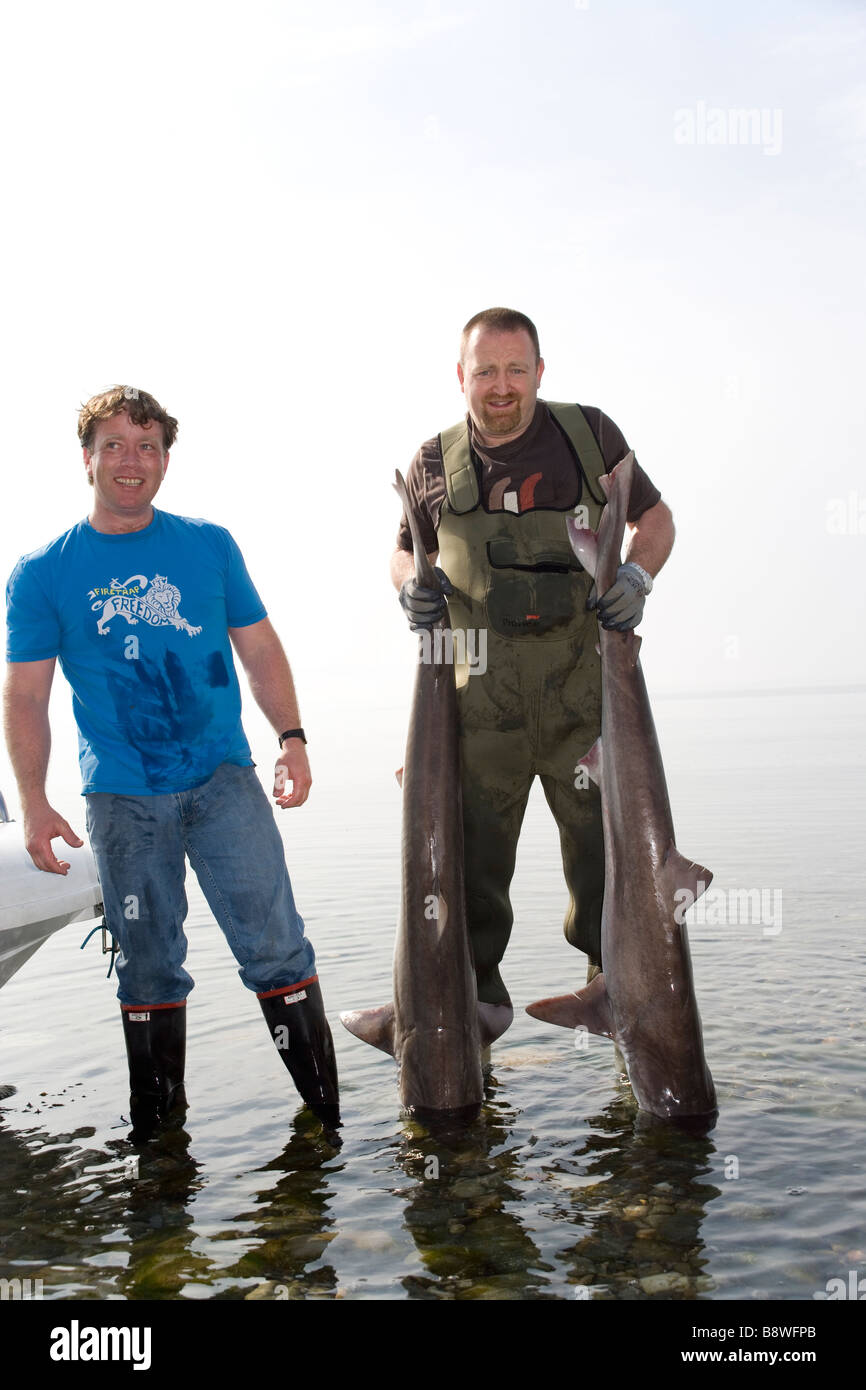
(650, 541)
(28, 738)
(424, 607)
(621, 608)
(293, 767)
(40, 828)
(270, 678)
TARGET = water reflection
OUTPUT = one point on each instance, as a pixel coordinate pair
(458, 1210)
(635, 1191)
(53, 1213)
(160, 1235)
(292, 1224)
(119, 1222)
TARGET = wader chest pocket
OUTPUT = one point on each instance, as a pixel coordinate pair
(546, 598)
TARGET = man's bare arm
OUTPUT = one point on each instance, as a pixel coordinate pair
(270, 677)
(28, 739)
(651, 538)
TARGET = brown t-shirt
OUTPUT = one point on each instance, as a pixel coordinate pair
(536, 470)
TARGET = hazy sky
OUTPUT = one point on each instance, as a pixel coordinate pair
(277, 217)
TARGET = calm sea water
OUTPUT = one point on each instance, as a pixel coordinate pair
(559, 1191)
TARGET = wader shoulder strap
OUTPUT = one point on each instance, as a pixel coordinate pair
(576, 426)
(461, 481)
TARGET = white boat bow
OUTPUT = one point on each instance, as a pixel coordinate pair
(33, 904)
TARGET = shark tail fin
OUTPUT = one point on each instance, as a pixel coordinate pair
(588, 1008)
(423, 569)
(373, 1026)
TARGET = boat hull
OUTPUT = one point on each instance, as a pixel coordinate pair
(33, 904)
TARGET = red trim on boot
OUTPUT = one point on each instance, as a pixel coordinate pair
(287, 989)
(135, 1008)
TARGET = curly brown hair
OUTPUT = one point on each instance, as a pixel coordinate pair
(501, 320)
(140, 406)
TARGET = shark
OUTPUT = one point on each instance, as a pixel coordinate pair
(644, 997)
(434, 1027)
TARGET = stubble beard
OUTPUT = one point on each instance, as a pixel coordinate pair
(500, 421)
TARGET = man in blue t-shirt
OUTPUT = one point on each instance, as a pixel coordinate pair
(142, 609)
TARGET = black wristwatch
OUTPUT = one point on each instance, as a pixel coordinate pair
(292, 733)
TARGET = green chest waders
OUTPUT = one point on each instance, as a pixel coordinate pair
(530, 703)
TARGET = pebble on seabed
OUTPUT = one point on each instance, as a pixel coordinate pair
(664, 1283)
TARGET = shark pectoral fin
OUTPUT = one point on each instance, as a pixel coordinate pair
(493, 1019)
(593, 762)
(588, 1008)
(686, 879)
(373, 1026)
(584, 543)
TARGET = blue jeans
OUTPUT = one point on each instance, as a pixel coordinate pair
(226, 827)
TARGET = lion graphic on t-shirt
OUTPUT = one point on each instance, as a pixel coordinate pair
(157, 606)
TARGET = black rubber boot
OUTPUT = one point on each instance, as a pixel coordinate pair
(156, 1049)
(296, 1019)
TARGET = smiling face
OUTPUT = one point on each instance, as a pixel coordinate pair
(126, 466)
(500, 377)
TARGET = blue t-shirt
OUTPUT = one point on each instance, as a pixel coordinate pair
(140, 623)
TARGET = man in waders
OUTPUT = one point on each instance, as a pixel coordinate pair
(491, 496)
(143, 609)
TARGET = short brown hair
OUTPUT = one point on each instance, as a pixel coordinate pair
(140, 406)
(501, 321)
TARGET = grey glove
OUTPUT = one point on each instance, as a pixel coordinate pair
(424, 607)
(621, 608)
